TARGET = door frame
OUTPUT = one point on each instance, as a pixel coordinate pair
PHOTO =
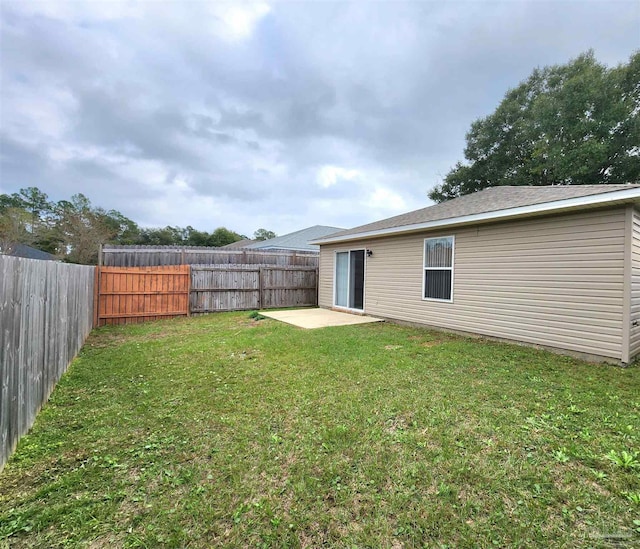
(364, 279)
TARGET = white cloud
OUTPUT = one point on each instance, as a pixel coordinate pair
(80, 11)
(240, 18)
(383, 200)
(37, 114)
(328, 176)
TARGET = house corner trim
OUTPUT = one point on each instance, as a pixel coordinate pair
(626, 292)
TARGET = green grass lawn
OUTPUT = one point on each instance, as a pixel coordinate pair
(222, 430)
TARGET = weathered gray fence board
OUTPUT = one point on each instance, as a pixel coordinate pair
(46, 313)
(217, 288)
(146, 256)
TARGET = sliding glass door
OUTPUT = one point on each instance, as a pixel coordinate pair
(342, 279)
(349, 279)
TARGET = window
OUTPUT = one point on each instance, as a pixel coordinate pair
(438, 268)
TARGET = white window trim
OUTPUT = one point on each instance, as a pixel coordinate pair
(364, 282)
(424, 268)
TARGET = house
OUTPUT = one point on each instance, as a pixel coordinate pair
(22, 250)
(555, 266)
(239, 244)
(296, 241)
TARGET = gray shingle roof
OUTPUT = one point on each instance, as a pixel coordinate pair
(488, 200)
(22, 250)
(238, 244)
(298, 240)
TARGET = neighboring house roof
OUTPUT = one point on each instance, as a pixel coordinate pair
(22, 250)
(494, 203)
(298, 240)
(239, 244)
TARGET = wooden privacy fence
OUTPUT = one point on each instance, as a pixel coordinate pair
(46, 313)
(138, 294)
(246, 287)
(126, 295)
(138, 256)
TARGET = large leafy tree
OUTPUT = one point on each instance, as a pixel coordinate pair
(81, 228)
(572, 124)
(26, 217)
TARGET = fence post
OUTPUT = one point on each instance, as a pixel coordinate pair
(260, 288)
(189, 290)
(96, 295)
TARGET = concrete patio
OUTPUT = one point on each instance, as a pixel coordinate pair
(318, 318)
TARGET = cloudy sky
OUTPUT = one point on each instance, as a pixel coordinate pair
(270, 114)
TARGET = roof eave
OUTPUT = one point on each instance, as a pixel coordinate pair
(568, 204)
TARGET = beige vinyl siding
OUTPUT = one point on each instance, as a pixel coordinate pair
(325, 276)
(634, 339)
(555, 281)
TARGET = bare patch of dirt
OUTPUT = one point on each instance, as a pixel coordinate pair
(107, 540)
(395, 424)
(249, 354)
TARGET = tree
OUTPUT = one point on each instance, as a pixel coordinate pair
(11, 201)
(25, 218)
(165, 236)
(223, 236)
(126, 231)
(74, 229)
(13, 229)
(81, 229)
(572, 124)
(37, 204)
(188, 236)
(263, 234)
